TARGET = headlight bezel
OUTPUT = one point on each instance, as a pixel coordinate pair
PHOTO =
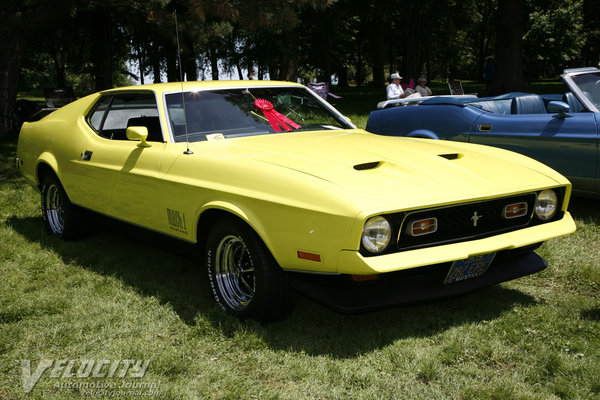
(540, 211)
(371, 247)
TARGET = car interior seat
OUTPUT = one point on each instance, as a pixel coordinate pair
(531, 104)
(575, 105)
(493, 106)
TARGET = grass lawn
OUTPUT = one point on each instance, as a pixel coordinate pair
(127, 295)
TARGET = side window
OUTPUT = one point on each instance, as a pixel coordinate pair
(113, 114)
(98, 112)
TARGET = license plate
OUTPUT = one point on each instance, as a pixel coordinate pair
(469, 268)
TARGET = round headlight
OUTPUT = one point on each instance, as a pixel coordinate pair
(376, 234)
(545, 205)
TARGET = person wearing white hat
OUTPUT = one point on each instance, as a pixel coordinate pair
(394, 90)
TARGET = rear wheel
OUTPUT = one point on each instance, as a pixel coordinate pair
(244, 278)
(61, 218)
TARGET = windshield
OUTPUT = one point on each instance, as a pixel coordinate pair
(228, 113)
(590, 86)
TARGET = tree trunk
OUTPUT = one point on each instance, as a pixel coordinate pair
(410, 68)
(379, 55)
(288, 63)
(360, 69)
(10, 65)
(291, 74)
(327, 41)
(188, 59)
(102, 50)
(485, 11)
(481, 50)
(508, 75)
(59, 66)
(214, 64)
(342, 74)
(191, 69)
(260, 73)
(171, 53)
(155, 61)
(141, 65)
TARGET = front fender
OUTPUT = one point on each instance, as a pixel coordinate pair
(286, 229)
(247, 216)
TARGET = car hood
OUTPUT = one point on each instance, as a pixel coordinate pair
(377, 172)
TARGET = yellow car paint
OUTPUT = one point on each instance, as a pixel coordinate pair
(299, 191)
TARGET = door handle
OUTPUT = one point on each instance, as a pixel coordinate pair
(86, 155)
(485, 128)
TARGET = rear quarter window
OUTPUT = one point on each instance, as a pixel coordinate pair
(115, 112)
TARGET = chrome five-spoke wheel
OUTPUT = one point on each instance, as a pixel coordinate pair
(234, 272)
(61, 218)
(244, 278)
(54, 213)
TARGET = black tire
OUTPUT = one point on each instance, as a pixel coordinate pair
(61, 217)
(245, 280)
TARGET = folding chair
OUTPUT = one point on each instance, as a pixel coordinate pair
(456, 88)
(322, 89)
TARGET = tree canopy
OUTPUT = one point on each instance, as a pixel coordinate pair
(91, 45)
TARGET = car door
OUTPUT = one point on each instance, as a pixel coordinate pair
(117, 177)
(568, 145)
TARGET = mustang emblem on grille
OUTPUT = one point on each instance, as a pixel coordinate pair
(475, 218)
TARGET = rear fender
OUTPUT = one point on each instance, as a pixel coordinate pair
(44, 161)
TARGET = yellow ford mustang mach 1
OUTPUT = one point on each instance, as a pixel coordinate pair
(284, 194)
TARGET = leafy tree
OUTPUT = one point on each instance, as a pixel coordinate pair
(591, 26)
(555, 37)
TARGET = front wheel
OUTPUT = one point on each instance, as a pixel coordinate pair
(61, 218)
(245, 279)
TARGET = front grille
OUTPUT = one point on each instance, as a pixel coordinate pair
(463, 222)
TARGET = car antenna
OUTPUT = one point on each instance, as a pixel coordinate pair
(187, 141)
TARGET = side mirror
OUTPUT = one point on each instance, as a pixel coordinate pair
(559, 107)
(138, 133)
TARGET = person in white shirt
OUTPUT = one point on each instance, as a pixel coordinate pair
(394, 90)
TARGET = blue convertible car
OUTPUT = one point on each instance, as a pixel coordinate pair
(559, 130)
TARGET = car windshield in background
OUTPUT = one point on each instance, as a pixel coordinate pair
(590, 86)
(240, 112)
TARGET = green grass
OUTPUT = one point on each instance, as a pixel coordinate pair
(122, 294)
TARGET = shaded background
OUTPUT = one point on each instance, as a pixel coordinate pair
(95, 45)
